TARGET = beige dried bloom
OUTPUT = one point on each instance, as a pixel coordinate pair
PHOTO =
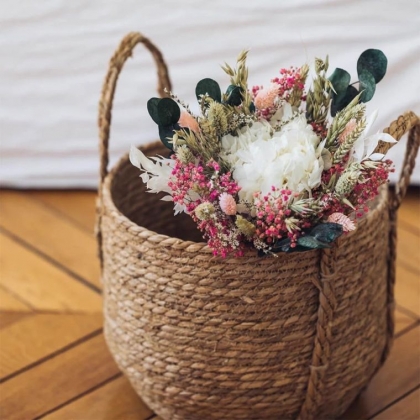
(204, 211)
(218, 118)
(347, 180)
(352, 131)
(245, 227)
(183, 153)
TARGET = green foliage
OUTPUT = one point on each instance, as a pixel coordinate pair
(165, 113)
(373, 61)
(341, 100)
(166, 133)
(168, 111)
(311, 243)
(340, 79)
(371, 68)
(327, 232)
(234, 95)
(343, 93)
(367, 86)
(319, 237)
(152, 104)
(209, 87)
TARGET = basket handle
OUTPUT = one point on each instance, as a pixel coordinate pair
(409, 122)
(123, 52)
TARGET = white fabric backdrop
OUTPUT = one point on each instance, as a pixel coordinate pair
(54, 55)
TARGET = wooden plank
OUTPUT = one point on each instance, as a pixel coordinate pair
(8, 318)
(114, 400)
(52, 235)
(9, 302)
(41, 284)
(78, 206)
(56, 381)
(34, 337)
(408, 249)
(399, 375)
(409, 212)
(402, 321)
(407, 408)
(407, 289)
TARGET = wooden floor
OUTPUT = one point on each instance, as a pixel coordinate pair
(54, 363)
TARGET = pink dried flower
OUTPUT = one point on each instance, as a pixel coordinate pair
(227, 204)
(343, 220)
(265, 97)
(348, 129)
(188, 121)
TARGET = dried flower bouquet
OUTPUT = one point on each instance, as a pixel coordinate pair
(276, 168)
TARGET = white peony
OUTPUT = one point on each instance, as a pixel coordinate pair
(247, 135)
(290, 158)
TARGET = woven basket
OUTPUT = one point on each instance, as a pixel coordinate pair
(199, 337)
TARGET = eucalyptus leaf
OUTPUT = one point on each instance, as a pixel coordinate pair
(311, 242)
(340, 80)
(327, 232)
(281, 246)
(261, 253)
(373, 61)
(234, 95)
(152, 105)
(209, 87)
(168, 112)
(166, 133)
(367, 85)
(284, 245)
(340, 101)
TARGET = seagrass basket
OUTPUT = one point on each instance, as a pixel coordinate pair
(199, 337)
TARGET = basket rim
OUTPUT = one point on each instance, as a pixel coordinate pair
(191, 246)
(145, 233)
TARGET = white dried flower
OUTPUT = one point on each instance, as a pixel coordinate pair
(364, 146)
(290, 158)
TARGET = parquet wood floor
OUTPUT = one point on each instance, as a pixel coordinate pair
(53, 360)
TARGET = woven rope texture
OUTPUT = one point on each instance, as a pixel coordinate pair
(199, 337)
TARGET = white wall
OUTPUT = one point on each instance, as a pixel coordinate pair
(54, 55)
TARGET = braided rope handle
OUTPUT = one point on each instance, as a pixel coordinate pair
(408, 122)
(411, 123)
(123, 52)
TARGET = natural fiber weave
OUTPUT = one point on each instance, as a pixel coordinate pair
(201, 337)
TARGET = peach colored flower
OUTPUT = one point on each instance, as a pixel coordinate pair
(350, 126)
(265, 97)
(188, 121)
(343, 220)
(227, 204)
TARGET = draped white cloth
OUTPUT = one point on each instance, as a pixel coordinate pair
(54, 55)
